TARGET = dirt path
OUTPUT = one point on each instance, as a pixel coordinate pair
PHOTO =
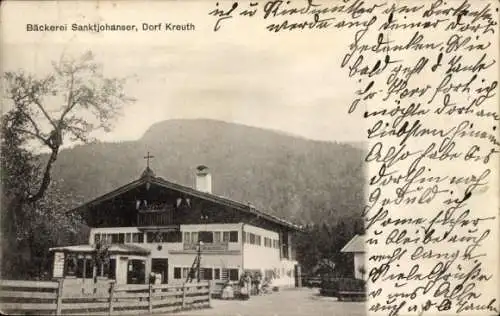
(293, 302)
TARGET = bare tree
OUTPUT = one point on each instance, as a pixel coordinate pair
(72, 102)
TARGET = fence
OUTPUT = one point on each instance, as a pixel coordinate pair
(32, 297)
(344, 288)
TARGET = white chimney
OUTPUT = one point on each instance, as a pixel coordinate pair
(203, 179)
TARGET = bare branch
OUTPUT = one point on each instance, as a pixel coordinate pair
(45, 113)
(35, 135)
(35, 127)
(70, 103)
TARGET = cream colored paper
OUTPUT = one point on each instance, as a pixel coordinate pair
(317, 76)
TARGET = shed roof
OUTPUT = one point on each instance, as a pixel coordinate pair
(114, 248)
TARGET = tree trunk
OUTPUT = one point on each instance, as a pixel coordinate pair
(46, 177)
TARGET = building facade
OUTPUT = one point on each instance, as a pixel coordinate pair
(356, 246)
(152, 227)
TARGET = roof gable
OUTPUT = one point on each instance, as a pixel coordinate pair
(356, 244)
(148, 177)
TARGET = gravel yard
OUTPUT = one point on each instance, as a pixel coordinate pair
(291, 302)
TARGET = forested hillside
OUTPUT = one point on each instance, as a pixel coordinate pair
(300, 179)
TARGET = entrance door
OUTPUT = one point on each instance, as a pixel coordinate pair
(136, 271)
(298, 276)
(160, 266)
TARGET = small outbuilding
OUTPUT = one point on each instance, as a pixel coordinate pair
(356, 246)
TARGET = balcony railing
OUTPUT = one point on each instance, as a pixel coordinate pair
(155, 218)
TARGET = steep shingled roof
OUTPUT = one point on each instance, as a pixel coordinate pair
(149, 177)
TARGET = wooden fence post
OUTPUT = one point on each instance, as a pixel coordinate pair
(111, 296)
(59, 296)
(150, 298)
(183, 295)
(210, 285)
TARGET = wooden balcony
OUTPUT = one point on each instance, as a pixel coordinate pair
(155, 218)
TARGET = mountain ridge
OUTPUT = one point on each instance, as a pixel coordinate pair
(285, 175)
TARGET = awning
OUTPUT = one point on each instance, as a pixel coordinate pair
(113, 249)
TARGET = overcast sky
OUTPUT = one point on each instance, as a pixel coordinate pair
(241, 74)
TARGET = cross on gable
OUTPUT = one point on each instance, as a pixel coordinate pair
(148, 157)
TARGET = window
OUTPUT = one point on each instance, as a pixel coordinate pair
(252, 239)
(177, 273)
(164, 237)
(224, 274)
(233, 275)
(217, 237)
(104, 238)
(185, 272)
(71, 264)
(128, 237)
(89, 269)
(268, 242)
(207, 274)
(150, 237)
(187, 237)
(174, 236)
(257, 240)
(194, 237)
(99, 270)
(117, 238)
(207, 237)
(106, 269)
(178, 237)
(84, 264)
(137, 237)
(216, 274)
(97, 238)
(225, 236)
(233, 236)
(111, 269)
